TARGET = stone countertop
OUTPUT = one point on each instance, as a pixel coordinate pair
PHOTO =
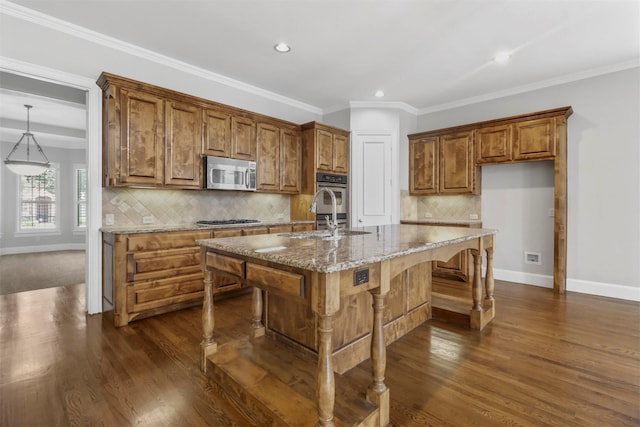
(434, 221)
(192, 227)
(328, 256)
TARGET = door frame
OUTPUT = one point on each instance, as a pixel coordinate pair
(93, 152)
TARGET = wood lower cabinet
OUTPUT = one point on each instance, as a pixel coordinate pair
(145, 274)
(152, 273)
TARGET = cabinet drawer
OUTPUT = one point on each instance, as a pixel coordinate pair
(303, 227)
(159, 293)
(235, 232)
(255, 230)
(275, 280)
(162, 264)
(279, 229)
(156, 241)
(226, 264)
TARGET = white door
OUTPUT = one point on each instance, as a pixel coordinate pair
(371, 179)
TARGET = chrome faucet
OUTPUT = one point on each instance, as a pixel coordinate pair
(332, 226)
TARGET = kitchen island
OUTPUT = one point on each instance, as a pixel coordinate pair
(304, 282)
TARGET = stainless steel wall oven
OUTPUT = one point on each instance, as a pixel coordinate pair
(337, 184)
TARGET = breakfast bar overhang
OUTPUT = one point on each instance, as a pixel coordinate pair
(301, 282)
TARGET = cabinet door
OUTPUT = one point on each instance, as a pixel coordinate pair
(534, 139)
(493, 144)
(290, 158)
(456, 163)
(340, 154)
(142, 138)
(423, 166)
(324, 150)
(183, 159)
(268, 155)
(217, 133)
(243, 138)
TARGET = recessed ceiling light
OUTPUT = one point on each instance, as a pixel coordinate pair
(282, 48)
(502, 57)
(379, 94)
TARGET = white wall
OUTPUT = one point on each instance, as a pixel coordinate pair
(603, 174)
(65, 238)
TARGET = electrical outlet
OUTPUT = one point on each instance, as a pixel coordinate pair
(148, 219)
(473, 216)
(109, 219)
(428, 215)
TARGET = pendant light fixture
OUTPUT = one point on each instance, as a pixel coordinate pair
(27, 167)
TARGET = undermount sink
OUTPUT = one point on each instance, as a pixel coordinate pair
(323, 234)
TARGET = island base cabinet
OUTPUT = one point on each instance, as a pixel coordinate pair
(407, 306)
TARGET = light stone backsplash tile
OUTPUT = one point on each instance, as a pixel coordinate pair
(408, 206)
(175, 207)
(449, 207)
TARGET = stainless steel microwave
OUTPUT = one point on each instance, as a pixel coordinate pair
(230, 174)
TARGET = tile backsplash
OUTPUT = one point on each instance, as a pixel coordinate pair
(129, 206)
(440, 207)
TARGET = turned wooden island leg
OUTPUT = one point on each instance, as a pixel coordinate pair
(488, 280)
(325, 386)
(257, 304)
(378, 392)
(208, 345)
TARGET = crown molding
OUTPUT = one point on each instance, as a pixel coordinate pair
(47, 21)
(392, 105)
(594, 72)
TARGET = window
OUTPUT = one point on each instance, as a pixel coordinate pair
(38, 201)
(81, 197)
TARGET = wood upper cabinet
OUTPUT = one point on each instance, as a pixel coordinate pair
(290, 161)
(493, 144)
(183, 164)
(324, 149)
(423, 156)
(141, 139)
(519, 141)
(149, 139)
(216, 140)
(243, 138)
(442, 164)
(340, 153)
(268, 167)
(534, 139)
(457, 165)
(278, 155)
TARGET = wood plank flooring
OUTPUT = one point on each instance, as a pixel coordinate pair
(545, 360)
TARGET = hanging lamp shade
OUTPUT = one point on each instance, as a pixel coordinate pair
(27, 166)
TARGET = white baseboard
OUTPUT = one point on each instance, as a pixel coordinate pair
(574, 285)
(604, 289)
(524, 278)
(44, 248)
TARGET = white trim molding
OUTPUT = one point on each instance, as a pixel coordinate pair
(44, 248)
(93, 242)
(609, 290)
(47, 21)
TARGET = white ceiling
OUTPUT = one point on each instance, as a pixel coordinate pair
(428, 54)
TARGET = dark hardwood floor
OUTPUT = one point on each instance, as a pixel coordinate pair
(546, 360)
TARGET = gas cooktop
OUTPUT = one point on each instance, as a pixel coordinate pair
(227, 221)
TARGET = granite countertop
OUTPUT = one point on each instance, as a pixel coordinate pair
(435, 221)
(328, 256)
(192, 227)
